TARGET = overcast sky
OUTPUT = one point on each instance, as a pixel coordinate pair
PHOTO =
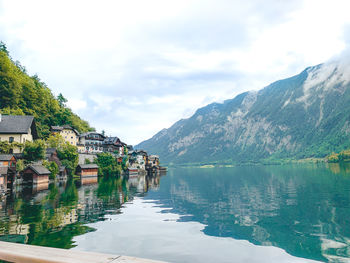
(133, 67)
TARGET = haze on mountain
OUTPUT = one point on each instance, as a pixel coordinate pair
(304, 116)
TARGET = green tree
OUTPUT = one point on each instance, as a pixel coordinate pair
(108, 165)
(20, 165)
(55, 141)
(21, 94)
(52, 167)
(69, 156)
(34, 151)
(61, 100)
(3, 48)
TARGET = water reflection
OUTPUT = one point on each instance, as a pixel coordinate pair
(302, 209)
(51, 215)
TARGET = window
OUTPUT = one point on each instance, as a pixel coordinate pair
(11, 139)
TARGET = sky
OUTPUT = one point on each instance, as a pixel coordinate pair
(134, 67)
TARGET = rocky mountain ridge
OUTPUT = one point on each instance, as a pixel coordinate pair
(307, 115)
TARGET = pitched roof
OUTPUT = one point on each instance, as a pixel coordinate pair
(17, 124)
(111, 140)
(60, 128)
(88, 166)
(62, 168)
(6, 157)
(39, 169)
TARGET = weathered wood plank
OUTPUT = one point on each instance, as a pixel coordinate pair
(20, 253)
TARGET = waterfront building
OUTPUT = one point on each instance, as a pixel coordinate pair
(138, 159)
(68, 133)
(87, 170)
(36, 174)
(18, 129)
(92, 142)
(153, 160)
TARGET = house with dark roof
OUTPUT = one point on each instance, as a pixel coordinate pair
(91, 142)
(17, 129)
(68, 133)
(113, 145)
(36, 174)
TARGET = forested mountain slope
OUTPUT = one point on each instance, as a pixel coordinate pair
(21, 94)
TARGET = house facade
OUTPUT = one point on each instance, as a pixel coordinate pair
(91, 142)
(18, 129)
(68, 133)
(138, 159)
(113, 145)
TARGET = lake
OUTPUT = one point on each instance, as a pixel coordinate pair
(289, 213)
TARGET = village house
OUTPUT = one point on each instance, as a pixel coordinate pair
(92, 141)
(153, 160)
(69, 134)
(114, 145)
(138, 159)
(17, 129)
(36, 174)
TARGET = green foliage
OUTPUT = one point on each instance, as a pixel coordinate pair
(3, 48)
(61, 100)
(6, 147)
(87, 161)
(34, 151)
(343, 156)
(22, 94)
(52, 167)
(20, 165)
(68, 154)
(55, 141)
(108, 165)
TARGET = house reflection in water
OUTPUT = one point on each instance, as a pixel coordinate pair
(52, 214)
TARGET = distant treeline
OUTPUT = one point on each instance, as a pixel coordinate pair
(21, 94)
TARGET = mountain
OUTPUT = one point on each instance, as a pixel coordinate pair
(21, 94)
(307, 115)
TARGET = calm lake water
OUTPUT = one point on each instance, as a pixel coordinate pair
(296, 213)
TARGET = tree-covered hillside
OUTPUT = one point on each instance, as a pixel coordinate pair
(21, 94)
(304, 116)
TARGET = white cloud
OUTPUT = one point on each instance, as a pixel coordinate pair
(135, 67)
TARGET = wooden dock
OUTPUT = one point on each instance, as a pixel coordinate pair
(20, 253)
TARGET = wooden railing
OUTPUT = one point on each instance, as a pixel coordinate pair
(20, 253)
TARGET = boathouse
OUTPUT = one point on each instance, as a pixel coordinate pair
(87, 170)
(63, 173)
(36, 174)
(8, 160)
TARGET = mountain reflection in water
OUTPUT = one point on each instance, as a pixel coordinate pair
(240, 214)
